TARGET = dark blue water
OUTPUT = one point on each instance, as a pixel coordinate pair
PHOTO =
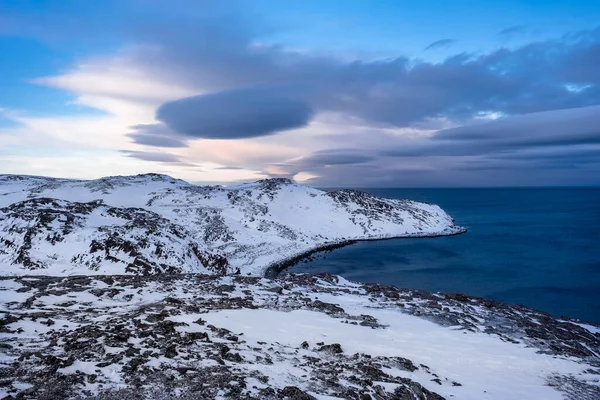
(537, 247)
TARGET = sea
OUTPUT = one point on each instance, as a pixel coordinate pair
(539, 247)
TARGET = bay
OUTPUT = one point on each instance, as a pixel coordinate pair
(539, 247)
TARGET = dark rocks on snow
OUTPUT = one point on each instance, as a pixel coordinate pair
(204, 359)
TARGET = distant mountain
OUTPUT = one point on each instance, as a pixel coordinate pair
(148, 224)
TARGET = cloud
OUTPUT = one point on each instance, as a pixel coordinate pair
(559, 128)
(442, 43)
(334, 157)
(156, 135)
(221, 52)
(321, 160)
(398, 92)
(549, 128)
(152, 156)
(535, 149)
(235, 114)
(573, 158)
(271, 107)
(229, 168)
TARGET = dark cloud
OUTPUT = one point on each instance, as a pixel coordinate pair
(573, 158)
(459, 173)
(399, 92)
(336, 157)
(559, 128)
(442, 43)
(155, 135)
(324, 159)
(152, 156)
(549, 128)
(235, 114)
(546, 148)
(578, 155)
(229, 168)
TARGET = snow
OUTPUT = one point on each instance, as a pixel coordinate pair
(254, 226)
(22, 385)
(9, 293)
(592, 329)
(487, 367)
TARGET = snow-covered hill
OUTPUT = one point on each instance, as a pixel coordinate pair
(152, 223)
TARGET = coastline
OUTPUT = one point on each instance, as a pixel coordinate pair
(273, 270)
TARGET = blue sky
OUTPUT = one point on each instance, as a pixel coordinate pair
(396, 27)
(355, 93)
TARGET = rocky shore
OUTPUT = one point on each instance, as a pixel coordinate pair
(280, 266)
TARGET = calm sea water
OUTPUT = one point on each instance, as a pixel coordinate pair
(531, 246)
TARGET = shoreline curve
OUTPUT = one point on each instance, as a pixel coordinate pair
(275, 269)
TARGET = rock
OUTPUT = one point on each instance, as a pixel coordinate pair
(234, 357)
(103, 364)
(131, 351)
(191, 337)
(171, 351)
(327, 307)
(332, 348)
(294, 393)
(223, 348)
(218, 359)
(8, 319)
(373, 372)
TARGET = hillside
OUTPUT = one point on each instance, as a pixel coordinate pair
(149, 224)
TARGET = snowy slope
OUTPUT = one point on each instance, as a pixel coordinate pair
(297, 337)
(151, 223)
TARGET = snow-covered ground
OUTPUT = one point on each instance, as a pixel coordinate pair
(240, 337)
(103, 295)
(154, 224)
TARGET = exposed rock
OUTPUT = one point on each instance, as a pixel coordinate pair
(293, 393)
(332, 348)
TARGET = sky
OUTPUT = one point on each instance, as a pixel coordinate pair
(337, 93)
